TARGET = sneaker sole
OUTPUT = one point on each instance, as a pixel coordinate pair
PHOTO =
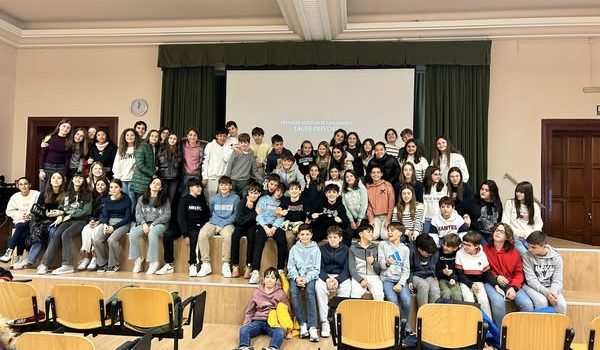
(63, 272)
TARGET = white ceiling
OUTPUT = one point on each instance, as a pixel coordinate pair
(33, 23)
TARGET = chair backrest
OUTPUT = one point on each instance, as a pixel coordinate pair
(53, 341)
(449, 325)
(78, 306)
(532, 330)
(17, 300)
(145, 307)
(368, 324)
(594, 342)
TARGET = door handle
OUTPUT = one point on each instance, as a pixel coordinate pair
(589, 217)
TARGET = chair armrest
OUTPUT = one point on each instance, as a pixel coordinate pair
(189, 301)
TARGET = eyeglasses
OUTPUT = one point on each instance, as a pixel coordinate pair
(468, 244)
(500, 230)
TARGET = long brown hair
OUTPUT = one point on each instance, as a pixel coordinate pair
(49, 195)
(437, 154)
(458, 189)
(402, 205)
(123, 142)
(413, 178)
(509, 243)
(80, 147)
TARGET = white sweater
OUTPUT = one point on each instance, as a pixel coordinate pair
(456, 160)
(445, 227)
(519, 225)
(213, 166)
(18, 205)
(124, 166)
(431, 202)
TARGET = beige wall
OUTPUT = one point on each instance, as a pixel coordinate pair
(83, 82)
(8, 62)
(531, 81)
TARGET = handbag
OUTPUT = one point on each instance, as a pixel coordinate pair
(39, 209)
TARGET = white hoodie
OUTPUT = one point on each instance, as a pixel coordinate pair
(213, 166)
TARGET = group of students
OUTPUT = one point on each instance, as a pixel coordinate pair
(369, 190)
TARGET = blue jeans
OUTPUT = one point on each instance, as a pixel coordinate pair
(311, 303)
(427, 226)
(497, 303)
(391, 295)
(521, 245)
(34, 251)
(258, 327)
(18, 238)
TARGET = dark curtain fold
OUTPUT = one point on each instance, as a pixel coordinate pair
(456, 105)
(188, 100)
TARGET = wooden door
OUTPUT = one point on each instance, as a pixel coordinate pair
(39, 127)
(571, 181)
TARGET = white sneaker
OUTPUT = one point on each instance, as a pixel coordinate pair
(193, 270)
(226, 270)
(7, 256)
(314, 336)
(93, 264)
(205, 269)
(42, 269)
(137, 267)
(325, 330)
(303, 331)
(22, 264)
(255, 277)
(167, 268)
(83, 264)
(152, 267)
(63, 270)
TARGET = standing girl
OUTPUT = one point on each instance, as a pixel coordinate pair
(461, 192)
(447, 156)
(104, 151)
(145, 165)
(323, 158)
(391, 136)
(355, 199)
(78, 147)
(152, 215)
(313, 192)
(523, 214)
(115, 220)
(340, 160)
(366, 153)
(407, 177)
(76, 207)
(88, 256)
(55, 156)
(339, 138)
(192, 154)
(169, 162)
(380, 194)
(305, 156)
(414, 154)
(354, 147)
(334, 177)
(124, 164)
(389, 165)
(433, 190)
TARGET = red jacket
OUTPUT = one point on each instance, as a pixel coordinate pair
(507, 264)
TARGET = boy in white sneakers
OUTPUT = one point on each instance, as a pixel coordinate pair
(363, 265)
(223, 208)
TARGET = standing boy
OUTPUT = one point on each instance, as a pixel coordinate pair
(260, 149)
(363, 266)
(303, 271)
(241, 166)
(444, 269)
(223, 208)
(543, 268)
(334, 276)
(214, 165)
(274, 157)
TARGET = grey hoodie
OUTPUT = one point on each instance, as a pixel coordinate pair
(290, 175)
(357, 261)
(544, 273)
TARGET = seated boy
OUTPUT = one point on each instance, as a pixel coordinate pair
(446, 222)
(241, 166)
(543, 268)
(394, 260)
(444, 269)
(289, 171)
(192, 215)
(363, 266)
(334, 277)
(268, 226)
(264, 299)
(422, 281)
(330, 212)
(270, 184)
(303, 272)
(473, 271)
(245, 226)
(223, 207)
(294, 211)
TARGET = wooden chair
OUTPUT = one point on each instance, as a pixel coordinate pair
(450, 326)
(382, 331)
(76, 307)
(530, 330)
(53, 341)
(18, 301)
(143, 310)
(595, 328)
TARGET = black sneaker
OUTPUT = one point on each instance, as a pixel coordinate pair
(113, 269)
(102, 268)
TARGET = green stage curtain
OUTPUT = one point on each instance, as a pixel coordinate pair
(188, 100)
(456, 105)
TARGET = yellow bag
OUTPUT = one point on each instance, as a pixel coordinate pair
(280, 317)
(285, 284)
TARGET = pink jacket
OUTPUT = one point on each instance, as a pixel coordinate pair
(381, 200)
(262, 303)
